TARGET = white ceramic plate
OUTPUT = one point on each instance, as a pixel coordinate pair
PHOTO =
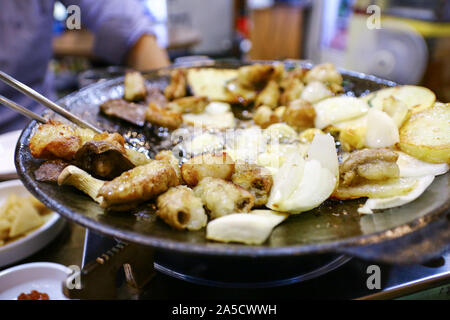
(34, 240)
(8, 143)
(44, 277)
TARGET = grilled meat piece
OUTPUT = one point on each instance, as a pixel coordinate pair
(218, 165)
(177, 86)
(163, 117)
(55, 140)
(49, 171)
(128, 111)
(255, 179)
(181, 209)
(139, 184)
(222, 197)
(369, 164)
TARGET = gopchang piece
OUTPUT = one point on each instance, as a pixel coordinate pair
(222, 197)
(255, 179)
(269, 96)
(249, 228)
(219, 165)
(369, 164)
(168, 155)
(177, 86)
(181, 209)
(300, 114)
(189, 104)
(301, 185)
(162, 116)
(134, 86)
(255, 76)
(138, 185)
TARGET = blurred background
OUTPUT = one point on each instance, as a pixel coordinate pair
(412, 45)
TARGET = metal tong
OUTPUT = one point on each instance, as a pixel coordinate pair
(42, 100)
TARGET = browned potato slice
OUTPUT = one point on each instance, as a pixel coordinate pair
(207, 165)
(135, 89)
(426, 135)
(416, 98)
(211, 82)
(376, 189)
(55, 140)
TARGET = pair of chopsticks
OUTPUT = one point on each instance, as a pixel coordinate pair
(42, 100)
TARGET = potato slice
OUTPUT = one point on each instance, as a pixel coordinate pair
(338, 109)
(379, 189)
(426, 135)
(26, 218)
(249, 228)
(211, 83)
(415, 97)
(396, 201)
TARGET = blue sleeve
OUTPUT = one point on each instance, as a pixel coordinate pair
(117, 25)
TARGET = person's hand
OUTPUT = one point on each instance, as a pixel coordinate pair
(146, 54)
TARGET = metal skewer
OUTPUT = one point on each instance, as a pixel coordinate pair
(42, 100)
(20, 109)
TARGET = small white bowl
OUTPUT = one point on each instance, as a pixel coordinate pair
(44, 277)
(8, 143)
(34, 240)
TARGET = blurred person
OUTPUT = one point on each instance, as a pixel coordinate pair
(124, 35)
